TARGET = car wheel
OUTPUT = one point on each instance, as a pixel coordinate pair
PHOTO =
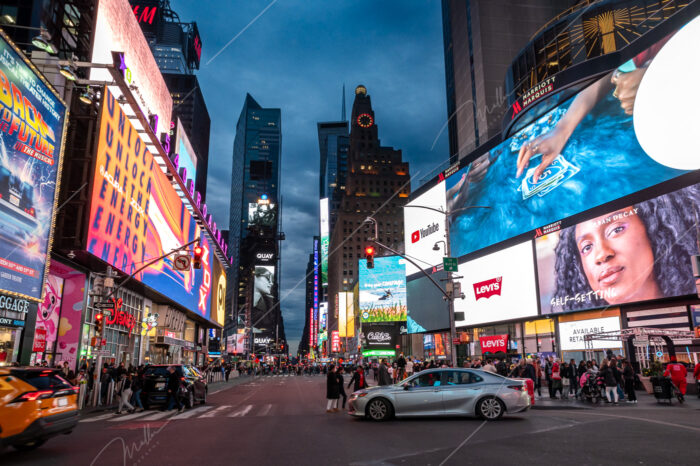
(379, 410)
(34, 444)
(490, 408)
(190, 399)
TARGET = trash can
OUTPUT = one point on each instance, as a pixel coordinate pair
(662, 388)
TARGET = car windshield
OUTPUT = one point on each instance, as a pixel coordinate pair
(44, 380)
(160, 371)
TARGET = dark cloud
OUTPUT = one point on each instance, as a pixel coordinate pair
(296, 57)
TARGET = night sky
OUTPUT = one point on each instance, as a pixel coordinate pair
(296, 57)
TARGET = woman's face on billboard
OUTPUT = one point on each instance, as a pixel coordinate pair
(617, 257)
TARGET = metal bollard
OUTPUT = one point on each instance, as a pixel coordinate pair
(110, 393)
(82, 391)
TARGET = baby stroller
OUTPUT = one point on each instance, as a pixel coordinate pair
(591, 388)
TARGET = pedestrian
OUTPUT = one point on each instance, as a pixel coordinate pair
(65, 369)
(489, 367)
(678, 374)
(696, 374)
(608, 376)
(173, 390)
(518, 370)
(529, 371)
(125, 394)
(392, 372)
(573, 378)
(555, 380)
(409, 367)
(105, 380)
(548, 375)
(628, 376)
(358, 379)
(538, 377)
(384, 376)
(501, 367)
(136, 388)
(341, 385)
(401, 367)
(332, 390)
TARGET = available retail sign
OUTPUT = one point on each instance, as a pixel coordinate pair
(494, 344)
(572, 334)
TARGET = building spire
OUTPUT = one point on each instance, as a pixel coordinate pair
(343, 115)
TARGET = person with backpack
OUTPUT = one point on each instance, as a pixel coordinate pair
(501, 367)
(608, 376)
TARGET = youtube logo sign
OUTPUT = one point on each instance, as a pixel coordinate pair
(423, 232)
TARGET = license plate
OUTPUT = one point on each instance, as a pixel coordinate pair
(62, 402)
(14, 200)
(160, 385)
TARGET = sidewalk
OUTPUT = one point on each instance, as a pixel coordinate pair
(644, 401)
(214, 387)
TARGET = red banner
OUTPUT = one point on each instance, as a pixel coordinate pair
(494, 344)
(335, 341)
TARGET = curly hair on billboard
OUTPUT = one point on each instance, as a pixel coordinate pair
(670, 224)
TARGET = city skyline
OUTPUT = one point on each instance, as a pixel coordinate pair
(395, 50)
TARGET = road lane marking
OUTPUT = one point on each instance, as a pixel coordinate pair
(241, 412)
(215, 411)
(128, 417)
(160, 415)
(653, 421)
(98, 418)
(266, 409)
(192, 412)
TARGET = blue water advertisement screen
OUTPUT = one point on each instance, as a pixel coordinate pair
(621, 134)
(31, 135)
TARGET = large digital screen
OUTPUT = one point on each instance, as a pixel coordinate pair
(346, 314)
(594, 148)
(187, 159)
(635, 253)
(379, 339)
(325, 241)
(424, 225)
(427, 309)
(31, 146)
(383, 290)
(499, 286)
(262, 214)
(136, 215)
(218, 292)
(264, 298)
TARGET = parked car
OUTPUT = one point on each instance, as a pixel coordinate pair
(443, 392)
(155, 384)
(36, 404)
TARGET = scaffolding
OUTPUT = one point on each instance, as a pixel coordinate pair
(642, 342)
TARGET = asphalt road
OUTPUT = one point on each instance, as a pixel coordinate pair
(282, 421)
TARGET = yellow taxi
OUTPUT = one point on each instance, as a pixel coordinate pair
(36, 404)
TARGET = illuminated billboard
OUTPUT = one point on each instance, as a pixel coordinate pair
(325, 241)
(186, 158)
(136, 215)
(424, 227)
(346, 314)
(315, 316)
(383, 290)
(31, 147)
(637, 252)
(262, 214)
(218, 292)
(264, 298)
(427, 310)
(603, 143)
(497, 287)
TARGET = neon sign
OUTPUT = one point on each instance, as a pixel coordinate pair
(119, 317)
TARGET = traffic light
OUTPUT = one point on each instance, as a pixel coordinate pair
(99, 322)
(369, 255)
(198, 257)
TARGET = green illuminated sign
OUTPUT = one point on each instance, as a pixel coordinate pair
(379, 353)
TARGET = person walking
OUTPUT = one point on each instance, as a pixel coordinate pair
(341, 385)
(609, 380)
(358, 379)
(125, 394)
(489, 367)
(678, 374)
(384, 376)
(409, 367)
(332, 390)
(501, 367)
(538, 377)
(548, 375)
(628, 377)
(173, 389)
(136, 388)
(555, 380)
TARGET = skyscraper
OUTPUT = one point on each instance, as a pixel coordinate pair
(377, 180)
(481, 37)
(333, 143)
(254, 220)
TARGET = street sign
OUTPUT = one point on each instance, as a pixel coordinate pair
(182, 262)
(449, 264)
(101, 352)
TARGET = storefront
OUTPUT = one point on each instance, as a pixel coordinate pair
(13, 314)
(167, 343)
(121, 337)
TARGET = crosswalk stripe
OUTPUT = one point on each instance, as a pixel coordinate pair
(241, 412)
(266, 409)
(216, 411)
(98, 418)
(128, 417)
(159, 415)
(193, 412)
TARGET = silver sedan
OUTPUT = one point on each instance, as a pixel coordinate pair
(443, 392)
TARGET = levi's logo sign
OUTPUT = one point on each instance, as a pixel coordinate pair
(423, 232)
(487, 288)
